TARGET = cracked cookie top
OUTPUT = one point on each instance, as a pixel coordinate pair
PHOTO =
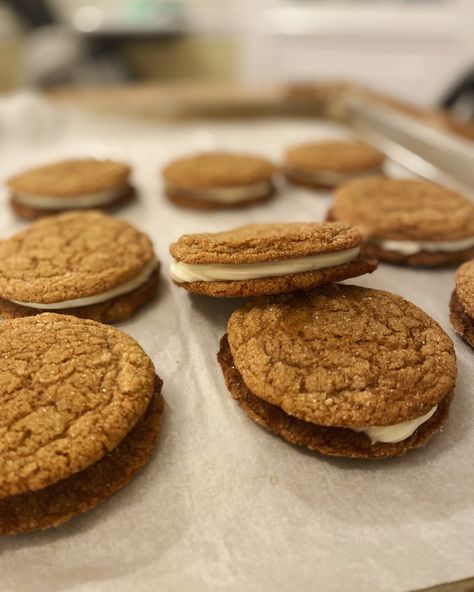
(465, 286)
(336, 156)
(217, 169)
(70, 390)
(69, 178)
(343, 356)
(71, 256)
(404, 209)
(256, 243)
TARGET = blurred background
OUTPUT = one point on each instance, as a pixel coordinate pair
(417, 50)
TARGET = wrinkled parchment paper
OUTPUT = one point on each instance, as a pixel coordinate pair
(224, 505)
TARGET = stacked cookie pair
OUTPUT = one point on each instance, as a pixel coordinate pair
(74, 184)
(408, 222)
(80, 403)
(222, 180)
(340, 369)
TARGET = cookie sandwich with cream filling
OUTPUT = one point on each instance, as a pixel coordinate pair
(86, 264)
(262, 259)
(344, 370)
(74, 184)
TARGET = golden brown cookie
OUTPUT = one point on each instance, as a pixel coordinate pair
(70, 392)
(215, 180)
(317, 367)
(83, 263)
(408, 222)
(462, 303)
(263, 259)
(70, 185)
(58, 503)
(329, 163)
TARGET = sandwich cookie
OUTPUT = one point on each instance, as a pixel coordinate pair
(84, 263)
(262, 259)
(216, 180)
(80, 413)
(408, 222)
(462, 303)
(329, 164)
(344, 370)
(70, 185)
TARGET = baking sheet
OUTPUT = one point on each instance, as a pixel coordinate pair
(224, 505)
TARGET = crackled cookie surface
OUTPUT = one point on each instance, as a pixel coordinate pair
(260, 259)
(70, 391)
(342, 356)
(80, 413)
(408, 221)
(69, 185)
(462, 302)
(76, 261)
(330, 163)
(213, 180)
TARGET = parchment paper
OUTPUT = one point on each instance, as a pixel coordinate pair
(224, 505)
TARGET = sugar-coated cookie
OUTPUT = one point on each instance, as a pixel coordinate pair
(83, 263)
(217, 180)
(344, 370)
(80, 408)
(74, 184)
(330, 163)
(408, 222)
(262, 259)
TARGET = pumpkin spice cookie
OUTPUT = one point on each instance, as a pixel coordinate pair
(343, 370)
(462, 303)
(408, 222)
(328, 164)
(263, 259)
(70, 185)
(80, 413)
(86, 264)
(216, 180)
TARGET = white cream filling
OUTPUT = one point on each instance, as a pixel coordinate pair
(87, 200)
(226, 194)
(412, 247)
(397, 432)
(124, 288)
(329, 177)
(200, 272)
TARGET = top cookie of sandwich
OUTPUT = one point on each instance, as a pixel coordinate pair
(465, 287)
(343, 356)
(255, 243)
(70, 390)
(71, 177)
(69, 256)
(334, 156)
(217, 169)
(404, 209)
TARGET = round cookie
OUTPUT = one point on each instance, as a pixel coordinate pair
(82, 263)
(341, 370)
(462, 303)
(408, 222)
(219, 180)
(263, 259)
(327, 164)
(70, 185)
(76, 397)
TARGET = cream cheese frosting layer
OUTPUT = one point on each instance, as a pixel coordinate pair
(124, 288)
(412, 247)
(329, 177)
(187, 272)
(397, 432)
(225, 194)
(87, 200)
